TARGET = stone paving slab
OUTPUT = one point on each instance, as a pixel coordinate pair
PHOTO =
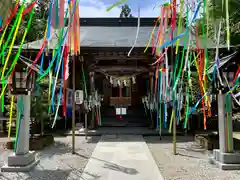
(121, 157)
(56, 162)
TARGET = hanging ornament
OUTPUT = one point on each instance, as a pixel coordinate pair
(111, 80)
(133, 80)
(124, 82)
(119, 82)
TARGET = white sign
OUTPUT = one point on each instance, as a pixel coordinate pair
(121, 111)
(79, 96)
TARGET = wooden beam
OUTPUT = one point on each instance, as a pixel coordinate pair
(139, 58)
(121, 68)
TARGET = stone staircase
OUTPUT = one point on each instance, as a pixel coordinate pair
(135, 118)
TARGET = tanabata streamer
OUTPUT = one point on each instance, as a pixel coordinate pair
(10, 117)
(116, 4)
(69, 42)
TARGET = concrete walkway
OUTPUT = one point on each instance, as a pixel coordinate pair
(121, 157)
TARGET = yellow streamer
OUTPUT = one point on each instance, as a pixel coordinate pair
(228, 28)
(201, 84)
(3, 90)
(10, 118)
(13, 40)
(150, 39)
(3, 35)
(49, 90)
(171, 121)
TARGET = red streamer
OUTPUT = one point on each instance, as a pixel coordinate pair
(29, 8)
(36, 59)
(10, 18)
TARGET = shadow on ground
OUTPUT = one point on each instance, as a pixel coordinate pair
(62, 147)
(37, 174)
(113, 166)
(167, 139)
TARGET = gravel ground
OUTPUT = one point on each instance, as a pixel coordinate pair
(188, 164)
(57, 161)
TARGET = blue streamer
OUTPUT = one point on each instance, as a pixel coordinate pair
(168, 43)
(158, 101)
(160, 97)
(196, 12)
(49, 21)
(178, 114)
(196, 105)
(1, 21)
(42, 61)
(214, 72)
(58, 59)
(61, 85)
(20, 106)
(61, 42)
(53, 93)
(165, 115)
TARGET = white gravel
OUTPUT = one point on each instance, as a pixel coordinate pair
(188, 164)
(57, 161)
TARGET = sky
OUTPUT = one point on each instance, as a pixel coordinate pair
(97, 8)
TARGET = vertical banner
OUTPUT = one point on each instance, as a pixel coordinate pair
(69, 97)
(58, 14)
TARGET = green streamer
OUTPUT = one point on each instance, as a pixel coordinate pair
(3, 84)
(160, 99)
(228, 121)
(84, 82)
(126, 91)
(12, 30)
(56, 13)
(116, 4)
(18, 124)
(58, 48)
(100, 116)
(187, 108)
(22, 43)
(2, 101)
(183, 53)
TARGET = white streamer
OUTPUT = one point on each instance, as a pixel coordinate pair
(234, 97)
(217, 52)
(55, 84)
(138, 27)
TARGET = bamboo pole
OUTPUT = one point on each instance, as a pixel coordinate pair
(173, 99)
(73, 104)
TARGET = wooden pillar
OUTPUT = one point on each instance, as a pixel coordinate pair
(151, 81)
(152, 117)
(92, 87)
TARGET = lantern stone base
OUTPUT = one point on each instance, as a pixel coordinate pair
(20, 163)
(225, 161)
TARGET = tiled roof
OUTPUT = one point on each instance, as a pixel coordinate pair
(96, 33)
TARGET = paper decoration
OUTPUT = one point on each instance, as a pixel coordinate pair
(133, 80)
(79, 96)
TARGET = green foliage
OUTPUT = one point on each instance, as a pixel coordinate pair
(38, 24)
(40, 105)
(126, 12)
(217, 13)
